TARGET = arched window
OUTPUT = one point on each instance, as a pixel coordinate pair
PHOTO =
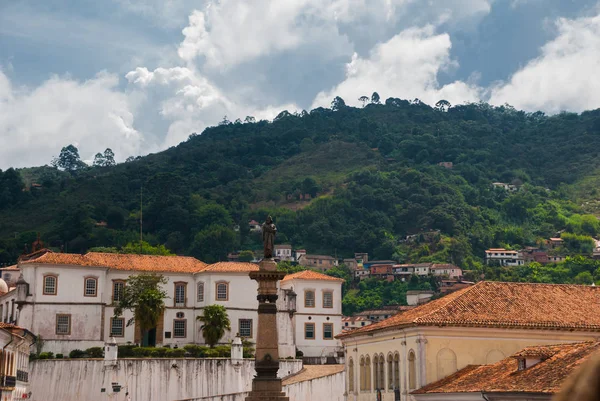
(375, 371)
(222, 291)
(201, 292)
(412, 370)
(397, 370)
(446, 363)
(50, 285)
(363, 375)
(90, 287)
(350, 376)
(368, 373)
(381, 382)
(390, 373)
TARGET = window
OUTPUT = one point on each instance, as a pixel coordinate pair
(117, 327)
(63, 324)
(363, 375)
(90, 287)
(50, 284)
(381, 383)
(397, 370)
(179, 328)
(412, 371)
(376, 371)
(328, 299)
(180, 294)
(390, 372)
(345, 324)
(351, 376)
(245, 326)
(309, 299)
(222, 291)
(118, 288)
(200, 292)
(368, 374)
(309, 331)
(327, 331)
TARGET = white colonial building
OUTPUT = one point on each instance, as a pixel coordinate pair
(68, 299)
(15, 344)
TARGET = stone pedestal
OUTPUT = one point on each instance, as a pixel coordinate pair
(266, 386)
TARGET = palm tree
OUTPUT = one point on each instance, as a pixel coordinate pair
(215, 321)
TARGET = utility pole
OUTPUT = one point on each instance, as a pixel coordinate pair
(141, 216)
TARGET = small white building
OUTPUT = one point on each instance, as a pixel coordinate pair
(283, 252)
(504, 257)
(69, 300)
(15, 345)
(448, 270)
(318, 316)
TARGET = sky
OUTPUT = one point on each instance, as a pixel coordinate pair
(139, 76)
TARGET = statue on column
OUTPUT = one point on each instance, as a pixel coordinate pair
(268, 234)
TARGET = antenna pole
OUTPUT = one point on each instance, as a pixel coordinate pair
(141, 216)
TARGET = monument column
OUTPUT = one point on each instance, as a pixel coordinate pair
(266, 386)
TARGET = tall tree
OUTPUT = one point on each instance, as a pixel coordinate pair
(215, 321)
(69, 159)
(375, 98)
(98, 160)
(443, 105)
(144, 297)
(337, 104)
(364, 100)
(109, 158)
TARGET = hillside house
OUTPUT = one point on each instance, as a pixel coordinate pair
(504, 257)
(362, 274)
(504, 186)
(283, 252)
(381, 271)
(552, 243)
(254, 226)
(320, 262)
(447, 165)
(354, 322)
(446, 270)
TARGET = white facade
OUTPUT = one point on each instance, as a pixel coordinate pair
(283, 252)
(504, 257)
(15, 344)
(68, 318)
(318, 317)
(451, 272)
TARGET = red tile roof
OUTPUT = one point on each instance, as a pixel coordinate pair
(310, 275)
(130, 262)
(231, 267)
(546, 376)
(507, 305)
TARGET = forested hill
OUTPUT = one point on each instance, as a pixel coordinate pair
(372, 174)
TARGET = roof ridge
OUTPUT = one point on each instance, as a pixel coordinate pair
(456, 297)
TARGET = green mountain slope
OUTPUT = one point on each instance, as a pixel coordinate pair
(372, 174)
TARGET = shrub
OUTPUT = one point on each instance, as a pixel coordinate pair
(195, 351)
(77, 353)
(290, 357)
(59, 356)
(212, 353)
(126, 351)
(95, 352)
(46, 355)
(223, 351)
(299, 354)
(141, 352)
(175, 353)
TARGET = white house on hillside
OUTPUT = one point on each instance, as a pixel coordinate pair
(68, 299)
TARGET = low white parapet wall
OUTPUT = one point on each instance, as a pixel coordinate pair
(144, 379)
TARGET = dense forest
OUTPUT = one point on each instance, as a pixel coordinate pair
(368, 177)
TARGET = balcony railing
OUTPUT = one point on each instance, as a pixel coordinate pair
(22, 376)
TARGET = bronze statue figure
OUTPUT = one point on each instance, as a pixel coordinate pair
(268, 234)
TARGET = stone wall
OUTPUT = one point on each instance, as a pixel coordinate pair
(143, 379)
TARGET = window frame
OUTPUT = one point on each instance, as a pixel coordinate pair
(184, 328)
(114, 283)
(226, 284)
(327, 324)
(111, 333)
(45, 277)
(85, 281)
(323, 301)
(59, 315)
(180, 284)
(314, 299)
(240, 327)
(199, 284)
(314, 330)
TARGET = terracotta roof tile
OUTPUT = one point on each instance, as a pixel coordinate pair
(130, 262)
(231, 267)
(510, 305)
(310, 275)
(310, 372)
(546, 376)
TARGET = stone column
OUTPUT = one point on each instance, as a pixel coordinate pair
(266, 386)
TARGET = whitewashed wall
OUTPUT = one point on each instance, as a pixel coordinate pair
(144, 379)
(330, 388)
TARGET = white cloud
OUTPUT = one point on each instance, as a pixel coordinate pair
(406, 66)
(563, 77)
(36, 123)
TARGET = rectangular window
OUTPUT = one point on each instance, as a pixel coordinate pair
(50, 283)
(200, 292)
(327, 299)
(117, 327)
(309, 299)
(327, 331)
(222, 291)
(91, 285)
(118, 288)
(63, 324)
(246, 328)
(180, 294)
(179, 328)
(309, 331)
